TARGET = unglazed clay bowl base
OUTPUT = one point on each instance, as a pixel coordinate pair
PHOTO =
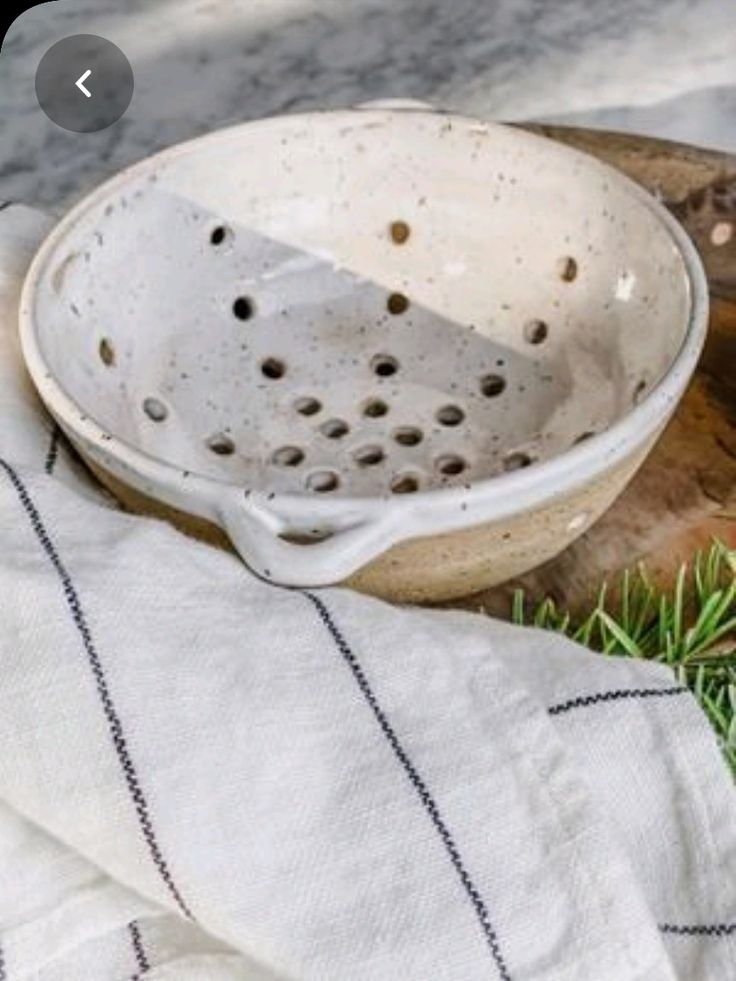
(443, 567)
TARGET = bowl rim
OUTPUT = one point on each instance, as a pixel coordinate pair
(428, 511)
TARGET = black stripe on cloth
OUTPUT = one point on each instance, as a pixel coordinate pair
(699, 929)
(3, 973)
(615, 695)
(53, 451)
(417, 782)
(139, 950)
(113, 719)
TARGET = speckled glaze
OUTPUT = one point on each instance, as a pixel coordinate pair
(388, 346)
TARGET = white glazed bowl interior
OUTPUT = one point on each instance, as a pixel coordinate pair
(359, 305)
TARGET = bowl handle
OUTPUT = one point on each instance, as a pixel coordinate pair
(22, 229)
(257, 534)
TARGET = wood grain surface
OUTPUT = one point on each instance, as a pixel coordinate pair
(685, 494)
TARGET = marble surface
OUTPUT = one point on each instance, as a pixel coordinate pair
(664, 67)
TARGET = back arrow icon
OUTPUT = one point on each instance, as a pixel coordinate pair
(80, 83)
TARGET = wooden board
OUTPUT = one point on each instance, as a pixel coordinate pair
(685, 494)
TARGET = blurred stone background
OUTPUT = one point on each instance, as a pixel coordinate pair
(662, 67)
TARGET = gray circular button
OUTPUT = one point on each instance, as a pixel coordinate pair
(84, 83)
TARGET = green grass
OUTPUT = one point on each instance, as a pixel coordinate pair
(692, 628)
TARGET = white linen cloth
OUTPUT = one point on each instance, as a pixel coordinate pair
(205, 777)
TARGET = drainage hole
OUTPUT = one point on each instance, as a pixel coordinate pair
(369, 456)
(221, 444)
(397, 303)
(334, 429)
(450, 415)
(384, 365)
(155, 409)
(535, 331)
(408, 436)
(721, 233)
(307, 406)
(287, 456)
(273, 368)
(639, 392)
(567, 268)
(492, 385)
(451, 465)
(375, 408)
(244, 308)
(107, 352)
(218, 235)
(400, 232)
(517, 461)
(322, 481)
(405, 483)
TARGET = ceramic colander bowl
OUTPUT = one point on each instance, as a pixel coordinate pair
(396, 347)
